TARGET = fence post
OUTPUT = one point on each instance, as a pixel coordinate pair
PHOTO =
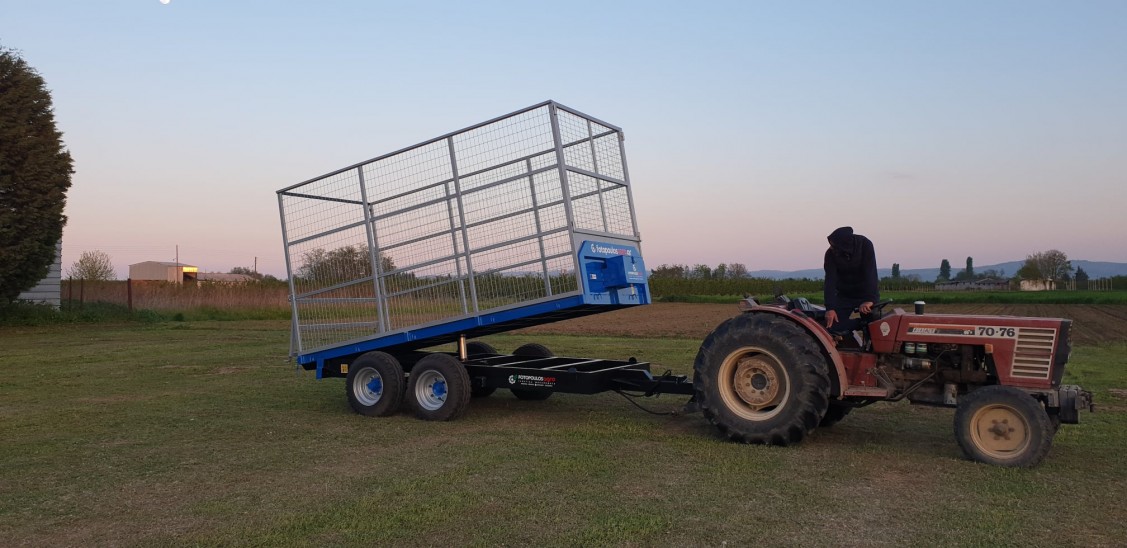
(129, 293)
(82, 292)
(70, 292)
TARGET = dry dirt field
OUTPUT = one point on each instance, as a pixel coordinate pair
(1092, 324)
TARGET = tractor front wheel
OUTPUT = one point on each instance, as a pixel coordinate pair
(1003, 426)
(760, 378)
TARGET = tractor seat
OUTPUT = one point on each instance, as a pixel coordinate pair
(807, 308)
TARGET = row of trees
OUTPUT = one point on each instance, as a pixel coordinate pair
(1043, 265)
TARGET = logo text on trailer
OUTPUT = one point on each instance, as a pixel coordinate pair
(596, 248)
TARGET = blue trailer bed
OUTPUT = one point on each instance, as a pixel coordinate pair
(521, 220)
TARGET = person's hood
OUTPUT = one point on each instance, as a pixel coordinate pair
(842, 239)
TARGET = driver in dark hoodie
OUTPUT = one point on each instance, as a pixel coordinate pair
(851, 277)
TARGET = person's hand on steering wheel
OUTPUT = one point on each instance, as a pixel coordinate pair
(865, 307)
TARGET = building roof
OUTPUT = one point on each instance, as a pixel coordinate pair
(164, 263)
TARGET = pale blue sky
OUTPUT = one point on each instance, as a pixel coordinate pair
(940, 130)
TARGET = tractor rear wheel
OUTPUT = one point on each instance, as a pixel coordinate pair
(760, 378)
(1003, 426)
(478, 347)
(834, 413)
(532, 350)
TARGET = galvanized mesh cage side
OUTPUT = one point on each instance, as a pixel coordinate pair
(327, 253)
(475, 221)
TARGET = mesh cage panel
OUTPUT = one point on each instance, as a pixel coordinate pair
(468, 223)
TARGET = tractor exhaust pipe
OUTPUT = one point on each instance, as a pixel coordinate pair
(919, 307)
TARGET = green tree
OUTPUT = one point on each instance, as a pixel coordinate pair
(35, 170)
(944, 271)
(670, 271)
(92, 265)
(1081, 278)
(1046, 265)
(245, 271)
(896, 271)
(967, 274)
(338, 265)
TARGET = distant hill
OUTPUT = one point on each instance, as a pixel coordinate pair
(1095, 269)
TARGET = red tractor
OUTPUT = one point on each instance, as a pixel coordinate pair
(774, 373)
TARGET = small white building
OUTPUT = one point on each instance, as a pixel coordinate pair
(49, 290)
(1038, 285)
(162, 271)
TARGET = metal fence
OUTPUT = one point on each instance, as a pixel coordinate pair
(478, 220)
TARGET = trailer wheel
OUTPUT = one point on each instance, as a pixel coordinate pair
(375, 384)
(479, 347)
(440, 387)
(532, 350)
(1003, 426)
(761, 379)
(834, 413)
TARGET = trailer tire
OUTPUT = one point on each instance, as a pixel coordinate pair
(760, 378)
(439, 388)
(834, 413)
(532, 350)
(1003, 426)
(375, 384)
(479, 347)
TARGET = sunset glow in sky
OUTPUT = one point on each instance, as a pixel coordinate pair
(753, 129)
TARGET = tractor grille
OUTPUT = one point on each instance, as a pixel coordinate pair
(1033, 357)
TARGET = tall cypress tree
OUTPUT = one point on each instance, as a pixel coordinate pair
(35, 170)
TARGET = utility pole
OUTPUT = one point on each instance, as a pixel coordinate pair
(256, 264)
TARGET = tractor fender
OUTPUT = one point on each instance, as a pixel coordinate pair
(820, 335)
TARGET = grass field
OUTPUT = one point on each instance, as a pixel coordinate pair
(201, 433)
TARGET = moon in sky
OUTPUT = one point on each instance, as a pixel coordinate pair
(165, 1)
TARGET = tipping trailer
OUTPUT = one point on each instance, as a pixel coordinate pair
(528, 218)
(521, 220)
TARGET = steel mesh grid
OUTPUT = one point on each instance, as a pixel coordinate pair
(563, 277)
(502, 230)
(424, 305)
(553, 217)
(309, 214)
(524, 134)
(330, 260)
(327, 321)
(585, 206)
(495, 202)
(616, 202)
(576, 140)
(416, 278)
(510, 286)
(557, 244)
(491, 176)
(408, 171)
(608, 154)
(418, 222)
(425, 221)
(421, 252)
(548, 188)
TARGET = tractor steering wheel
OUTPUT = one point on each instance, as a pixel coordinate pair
(876, 310)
